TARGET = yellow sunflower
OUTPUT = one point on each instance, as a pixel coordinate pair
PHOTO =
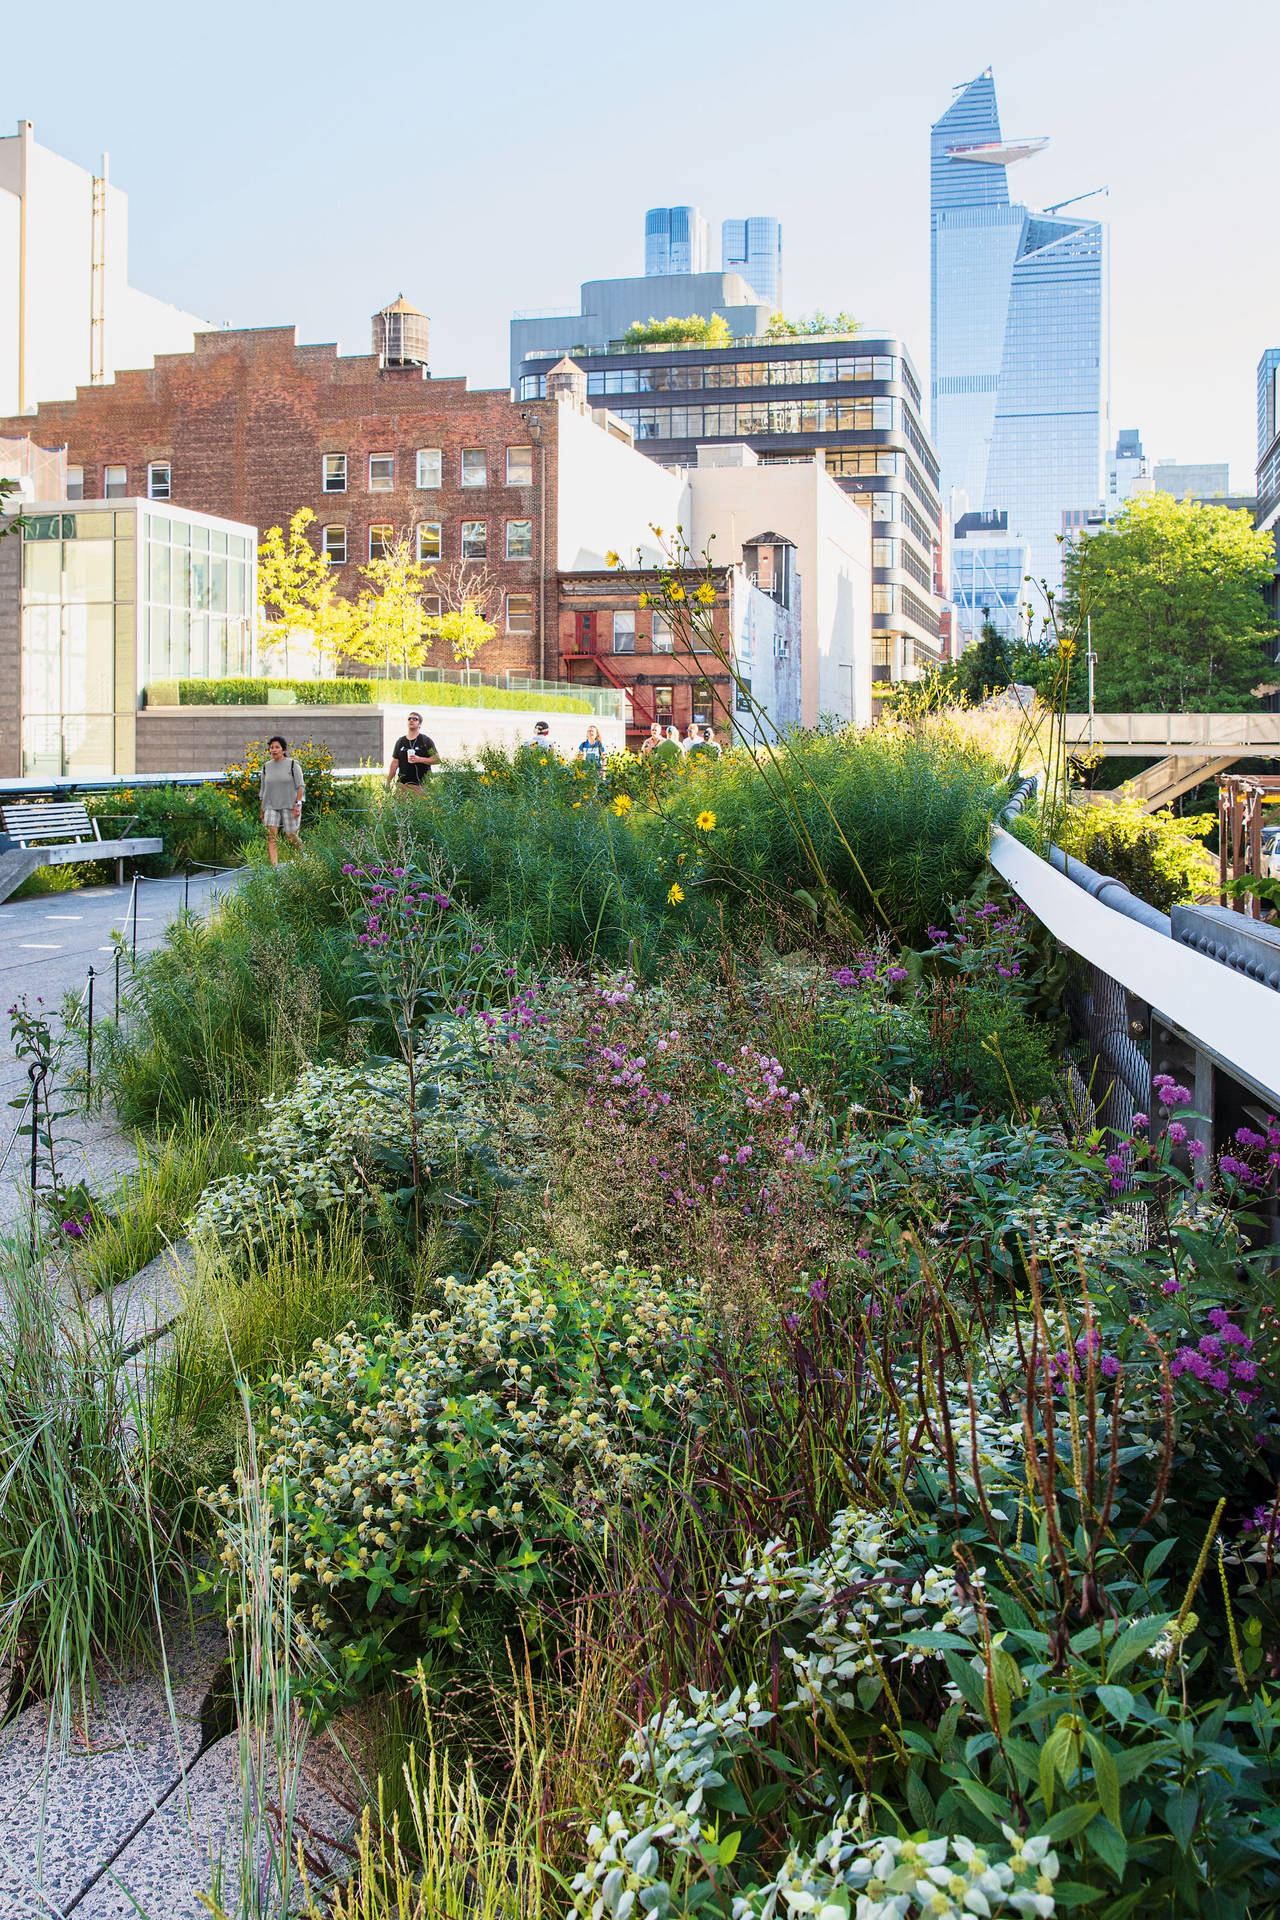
(675, 894)
(706, 820)
(622, 804)
(706, 594)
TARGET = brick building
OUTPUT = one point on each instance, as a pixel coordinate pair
(251, 426)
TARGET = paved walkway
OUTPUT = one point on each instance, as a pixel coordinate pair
(46, 949)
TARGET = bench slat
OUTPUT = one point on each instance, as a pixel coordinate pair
(69, 820)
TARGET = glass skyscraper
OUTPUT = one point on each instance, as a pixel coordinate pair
(753, 248)
(1018, 308)
(676, 240)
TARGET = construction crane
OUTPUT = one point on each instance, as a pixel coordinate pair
(1059, 204)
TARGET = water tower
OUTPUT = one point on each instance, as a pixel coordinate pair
(400, 335)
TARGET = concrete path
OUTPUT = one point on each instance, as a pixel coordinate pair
(46, 949)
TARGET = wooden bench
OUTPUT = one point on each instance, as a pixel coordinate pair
(58, 835)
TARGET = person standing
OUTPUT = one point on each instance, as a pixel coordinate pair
(281, 791)
(654, 738)
(592, 748)
(412, 757)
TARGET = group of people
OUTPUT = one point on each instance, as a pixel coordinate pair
(282, 789)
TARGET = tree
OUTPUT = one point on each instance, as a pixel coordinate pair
(676, 332)
(1172, 592)
(297, 594)
(390, 619)
(780, 328)
(470, 597)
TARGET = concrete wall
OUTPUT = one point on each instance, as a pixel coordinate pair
(609, 497)
(10, 656)
(609, 307)
(202, 739)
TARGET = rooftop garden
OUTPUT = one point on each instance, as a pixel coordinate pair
(671, 1372)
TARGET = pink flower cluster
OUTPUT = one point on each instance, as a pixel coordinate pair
(1258, 1169)
(1219, 1359)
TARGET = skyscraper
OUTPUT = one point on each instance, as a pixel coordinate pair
(753, 248)
(676, 240)
(1018, 302)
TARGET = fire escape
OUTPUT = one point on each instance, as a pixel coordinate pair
(584, 651)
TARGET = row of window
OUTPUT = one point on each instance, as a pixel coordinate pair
(428, 469)
(734, 421)
(429, 541)
(115, 482)
(660, 636)
(896, 553)
(742, 373)
(902, 600)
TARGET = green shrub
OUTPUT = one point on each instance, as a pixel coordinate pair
(448, 693)
(460, 1455)
(1160, 857)
(200, 826)
(324, 795)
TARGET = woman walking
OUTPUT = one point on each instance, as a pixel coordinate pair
(592, 748)
(281, 791)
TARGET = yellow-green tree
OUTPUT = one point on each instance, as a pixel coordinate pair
(390, 619)
(297, 594)
(469, 598)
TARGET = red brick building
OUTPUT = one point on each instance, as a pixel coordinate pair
(251, 426)
(607, 637)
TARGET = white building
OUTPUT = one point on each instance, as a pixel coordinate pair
(68, 316)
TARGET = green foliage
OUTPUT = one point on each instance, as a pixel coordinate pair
(411, 1469)
(448, 693)
(241, 692)
(1161, 857)
(1174, 593)
(200, 826)
(692, 329)
(806, 325)
(144, 1211)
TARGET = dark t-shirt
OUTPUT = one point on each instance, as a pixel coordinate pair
(412, 773)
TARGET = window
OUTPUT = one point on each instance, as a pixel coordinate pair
(586, 632)
(115, 483)
(429, 467)
(75, 483)
(382, 542)
(519, 466)
(882, 599)
(333, 544)
(703, 703)
(663, 705)
(382, 472)
(519, 539)
(624, 633)
(742, 699)
(335, 473)
(475, 540)
(475, 467)
(519, 613)
(663, 641)
(159, 480)
(429, 544)
(533, 386)
(882, 553)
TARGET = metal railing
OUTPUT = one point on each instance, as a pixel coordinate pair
(1195, 994)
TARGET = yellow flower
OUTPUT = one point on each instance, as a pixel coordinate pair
(644, 599)
(622, 804)
(543, 761)
(577, 803)
(706, 594)
(675, 894)
(676, 590)
(706, 820)
(612, 560)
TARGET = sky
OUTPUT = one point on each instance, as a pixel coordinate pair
(303, 165)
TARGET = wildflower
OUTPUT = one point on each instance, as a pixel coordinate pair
(622, 804)
(644, 599)
(675, 894)
(542, 760)
(706, 820)
(675, 590)
(612, 560)
(706, 594)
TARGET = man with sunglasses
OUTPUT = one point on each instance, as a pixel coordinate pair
(412, 757)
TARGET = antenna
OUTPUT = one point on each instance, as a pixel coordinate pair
(1059, 204)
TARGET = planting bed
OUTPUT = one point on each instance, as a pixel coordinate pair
(668, 1404)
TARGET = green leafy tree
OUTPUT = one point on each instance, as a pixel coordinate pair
(297, 594)
(676, 332)
(780, 328)
(1173, 593)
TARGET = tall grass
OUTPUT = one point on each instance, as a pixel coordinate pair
(147, 1209)
(242, 1320)
(86, 1553)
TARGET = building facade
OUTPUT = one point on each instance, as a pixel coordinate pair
(676, 240)
(988, 574)
(1128, 469)
(609, 307)
(98, 600)
(1202, 479)
(1268, 507)
(1019, 381)
(753, 248)
(69, 317)
(250, 426)
(852, 403)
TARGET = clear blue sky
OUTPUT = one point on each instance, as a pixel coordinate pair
(303, 164)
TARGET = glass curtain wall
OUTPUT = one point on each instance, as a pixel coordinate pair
(78, 598)
(198, 586)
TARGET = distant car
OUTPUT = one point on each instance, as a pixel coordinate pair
(1271, 852)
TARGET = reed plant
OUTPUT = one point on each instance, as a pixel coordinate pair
(147, 1209)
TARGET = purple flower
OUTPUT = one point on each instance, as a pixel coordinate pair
(1177, 1132)
(844, 977)
(818, 1291)
(1110, 1365)
(1140, 1120)
(1171, 1286)
(1195, 1149)
(1245, 1369)
(896, 974)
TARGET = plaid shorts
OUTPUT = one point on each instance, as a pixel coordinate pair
(281, 818)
